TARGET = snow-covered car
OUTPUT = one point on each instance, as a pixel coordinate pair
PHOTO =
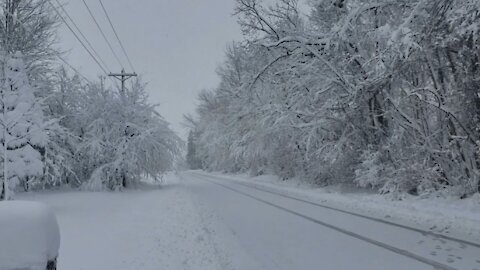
(29, 236)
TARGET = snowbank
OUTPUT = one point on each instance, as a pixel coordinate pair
(29, 235)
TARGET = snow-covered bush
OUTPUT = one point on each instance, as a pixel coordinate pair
(370, 170)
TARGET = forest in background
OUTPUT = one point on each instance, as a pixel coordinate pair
(59, 128)
(382, 94)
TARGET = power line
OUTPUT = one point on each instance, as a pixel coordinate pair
(74, 69)
(116, 35)
(84, 37)
(77, 37)
(103, 34)
(60, 57)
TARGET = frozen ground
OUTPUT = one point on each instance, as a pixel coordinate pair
(202, 221)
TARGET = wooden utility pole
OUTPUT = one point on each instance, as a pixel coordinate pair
(123, 77)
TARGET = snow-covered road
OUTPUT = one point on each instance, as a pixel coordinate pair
(201, 221)
(283, 233)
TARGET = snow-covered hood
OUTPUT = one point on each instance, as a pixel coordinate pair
(29, 235)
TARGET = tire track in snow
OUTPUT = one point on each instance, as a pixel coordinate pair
(424, 232)
(399, 251)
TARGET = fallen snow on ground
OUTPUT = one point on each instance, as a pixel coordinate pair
(168, 225)
(231, 254)
(444, 215)
(148, 228)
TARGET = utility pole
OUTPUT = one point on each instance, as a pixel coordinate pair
(102, 82)
(123, 77)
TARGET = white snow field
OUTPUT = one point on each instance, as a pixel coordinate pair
(205, 221)
(147, 229)
(29, 235)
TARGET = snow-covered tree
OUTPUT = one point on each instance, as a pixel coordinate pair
(30, 27)
(122, 139)
(383, 94)
(24, 126)
(193, 162)
(61, 131)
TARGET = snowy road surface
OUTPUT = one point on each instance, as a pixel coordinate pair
(283, 233)
(206, 222)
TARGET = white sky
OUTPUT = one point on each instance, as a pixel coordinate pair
(176, 45)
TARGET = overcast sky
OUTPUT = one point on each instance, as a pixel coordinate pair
(175, 45)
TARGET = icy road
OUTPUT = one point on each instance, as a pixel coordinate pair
(206, 222)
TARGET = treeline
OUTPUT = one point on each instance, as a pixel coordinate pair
(58, 129)
(383, 94)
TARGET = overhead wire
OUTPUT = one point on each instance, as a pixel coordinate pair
(77, 37)
(74, 69)
(64, 61)
(103, 33)
(84, 37)
(116, 35)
